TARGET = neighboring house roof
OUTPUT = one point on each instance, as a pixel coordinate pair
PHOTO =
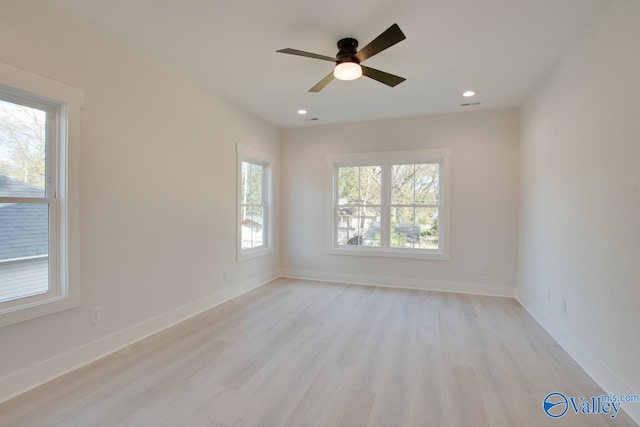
(24, 227)
(412, 231)
(372, 231)
(13, 187)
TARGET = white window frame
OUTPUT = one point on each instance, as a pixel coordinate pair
(61, 193)
(246, 154)
(386, 159)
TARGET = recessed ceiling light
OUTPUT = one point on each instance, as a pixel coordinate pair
(468, 93)
(302, 111)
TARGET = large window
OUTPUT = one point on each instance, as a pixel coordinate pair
(28, 203)
(390, 204)
(254, 207)
(34, 195)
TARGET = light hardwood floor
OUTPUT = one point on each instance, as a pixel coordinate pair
(296, 353)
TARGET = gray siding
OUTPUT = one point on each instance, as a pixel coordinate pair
(24, 278)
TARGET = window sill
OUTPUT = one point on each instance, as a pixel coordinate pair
(253, 253)
(40, 307)
(391, 253)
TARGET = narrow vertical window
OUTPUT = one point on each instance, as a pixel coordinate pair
(252, 206)
(254, 203)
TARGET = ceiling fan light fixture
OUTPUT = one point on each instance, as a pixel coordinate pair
(347, 71)
(348, 59)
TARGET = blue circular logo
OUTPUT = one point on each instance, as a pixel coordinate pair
(555, 404)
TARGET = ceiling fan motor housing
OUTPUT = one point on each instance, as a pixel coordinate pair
(347, 49)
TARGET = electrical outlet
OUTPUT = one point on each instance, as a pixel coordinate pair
(484, 269)
(564, 306)
(225, 273)
(96, 314)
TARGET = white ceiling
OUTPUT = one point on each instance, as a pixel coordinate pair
(499, 48)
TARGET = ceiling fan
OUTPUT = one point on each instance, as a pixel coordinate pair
(348, 59)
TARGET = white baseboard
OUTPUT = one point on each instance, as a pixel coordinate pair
(26, 379)
(403, 283)
(592, 365)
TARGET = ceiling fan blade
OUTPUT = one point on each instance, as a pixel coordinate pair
(382, 77)
(306, 54)
(322, 83)
(388, 38)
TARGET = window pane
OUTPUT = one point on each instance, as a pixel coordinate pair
(252, 227)
(24, 250)
(402, 184)
(427, 223)
(415, 184)
(22, 150)
(244, 181)
(414, 228)
(257, 178)
(348, 185)
(358, 226)
(404, 233)
(252, 178)
(370, 185)
(360, 185)
(347, 223)
(369, 226)
(427, 180)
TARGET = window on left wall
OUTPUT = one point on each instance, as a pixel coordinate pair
(38, 122)
(254, 182)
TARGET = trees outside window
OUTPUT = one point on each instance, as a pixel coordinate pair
(254, 192)
(39, 248)
(390, 204)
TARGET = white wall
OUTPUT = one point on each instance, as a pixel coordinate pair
(484, 204)
(580, 201)
(158, 222)
(157, 177)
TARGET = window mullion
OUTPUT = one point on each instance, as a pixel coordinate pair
(51, 154)
(385, 209)
(265, 219)
(51, 191)
(6, 199)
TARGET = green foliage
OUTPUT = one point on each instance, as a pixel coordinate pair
(398, 240)
(414, 192)
(433, 231)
